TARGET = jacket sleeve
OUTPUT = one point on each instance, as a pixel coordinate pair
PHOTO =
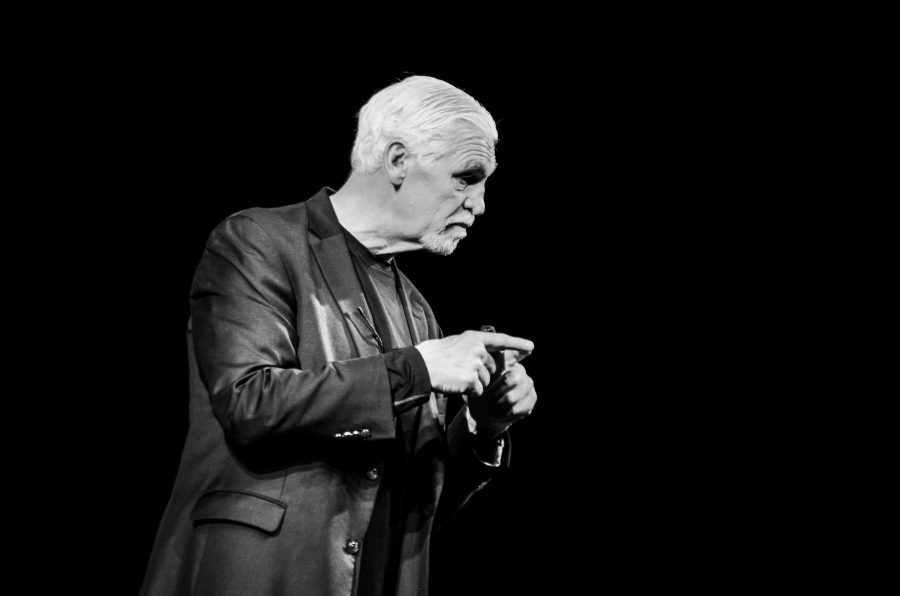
(466, 473)
(243, 313)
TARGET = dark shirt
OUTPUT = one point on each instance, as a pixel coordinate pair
(410, 387)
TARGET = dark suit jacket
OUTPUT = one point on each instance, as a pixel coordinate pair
(290, 408)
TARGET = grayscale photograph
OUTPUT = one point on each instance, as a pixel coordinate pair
(597, 305)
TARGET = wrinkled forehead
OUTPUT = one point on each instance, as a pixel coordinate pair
(470, 150)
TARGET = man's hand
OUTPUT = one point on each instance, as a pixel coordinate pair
(507, 400)
(462, 364)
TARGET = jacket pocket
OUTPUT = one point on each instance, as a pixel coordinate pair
(263, 513)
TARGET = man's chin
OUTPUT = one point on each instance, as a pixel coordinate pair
(441, 246)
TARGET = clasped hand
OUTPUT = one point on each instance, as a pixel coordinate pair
(463, 364)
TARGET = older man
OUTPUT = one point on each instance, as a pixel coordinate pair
(320, 453)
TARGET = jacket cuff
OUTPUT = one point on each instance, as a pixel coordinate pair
(408, 378)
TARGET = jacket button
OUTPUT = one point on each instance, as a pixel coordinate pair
(352, 547)
(372, 474)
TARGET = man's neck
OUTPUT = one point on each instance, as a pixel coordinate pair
(362, 208)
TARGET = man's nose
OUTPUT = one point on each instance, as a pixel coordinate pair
(475, 201)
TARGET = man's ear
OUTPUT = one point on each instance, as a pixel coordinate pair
(396, 162)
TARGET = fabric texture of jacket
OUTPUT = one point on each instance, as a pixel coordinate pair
(291, 418)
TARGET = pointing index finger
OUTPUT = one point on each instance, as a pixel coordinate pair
(501, 341)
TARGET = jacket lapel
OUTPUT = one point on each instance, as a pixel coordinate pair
(436, 408)
(333, 256)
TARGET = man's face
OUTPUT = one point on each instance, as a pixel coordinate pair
(441, 198)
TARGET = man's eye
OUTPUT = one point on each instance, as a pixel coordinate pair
(467, 179)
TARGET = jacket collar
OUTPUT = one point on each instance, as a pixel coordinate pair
(322, 218)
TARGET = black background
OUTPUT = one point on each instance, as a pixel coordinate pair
(689, 221)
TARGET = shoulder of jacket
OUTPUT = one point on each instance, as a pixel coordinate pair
(277, 223)
(273, 218)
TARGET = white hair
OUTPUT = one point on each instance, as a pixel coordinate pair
(423, 113)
